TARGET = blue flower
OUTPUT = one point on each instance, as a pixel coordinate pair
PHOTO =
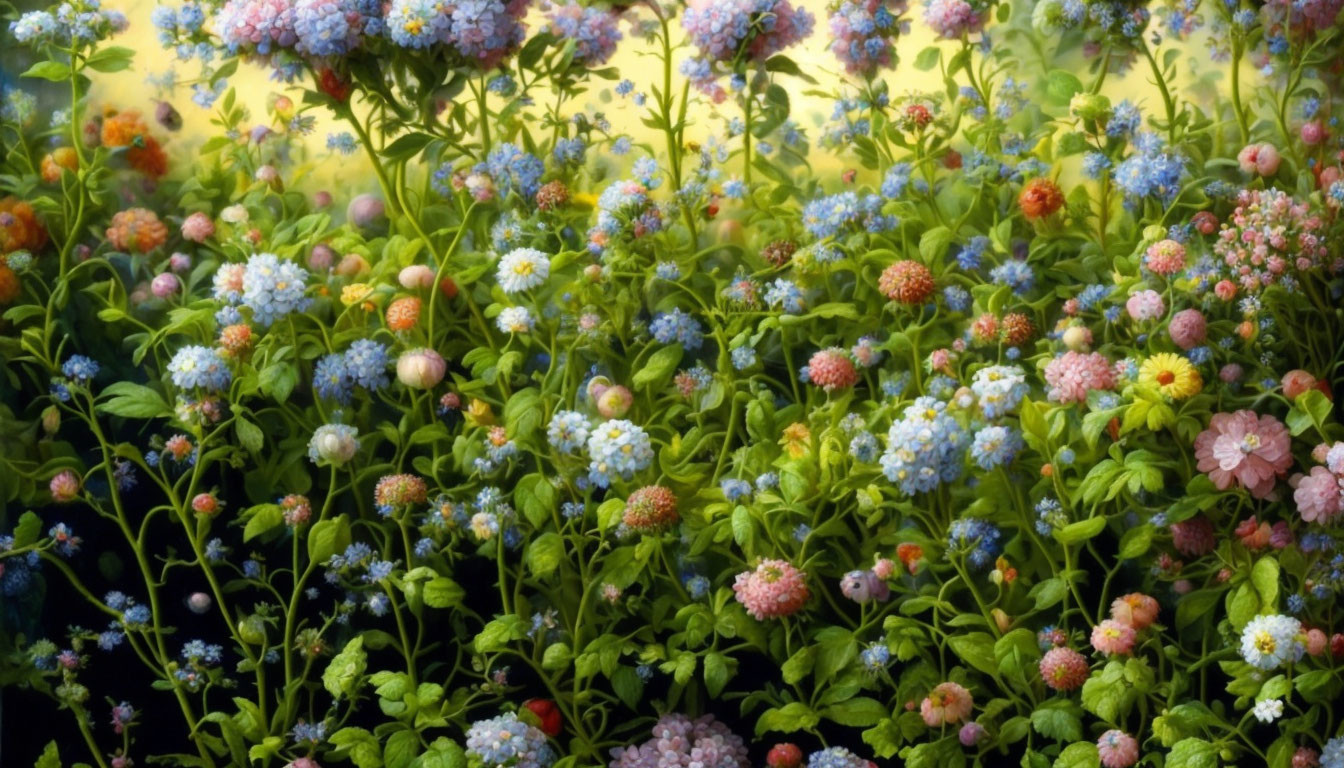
(995, 446)
(366, 364)
(924, 448)
(80, 368)
(273, 289)
(976, 538)
(617, 448)
(677, 326)
(196, 366)
(507, 741)
(514, 170)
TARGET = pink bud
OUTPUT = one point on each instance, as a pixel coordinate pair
(615, 402)
(64, 486)
(416, 276)
(321, 257)
(165, 284)
(179, 262)
(322, 199)
(1313, 133)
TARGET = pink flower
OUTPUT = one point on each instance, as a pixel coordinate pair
(1262, 159)
(1063, 669)
(421, 368)
(1318, 496)
(416, 276)
(950, 18)
(970, 734)
(946, 703)
(1297, 381)
(1313, 133)
(1135, 609)
(1146, 305)
(774, 589)
(1165, 257)
(197, 227)
(1306, 757)
(164, 284)
(1188, 328)
(1316, 642)
(884, 567)
(832, 369)
(1073, 374)
(1118, 749)
(1230, 373)
(1111, 637)
(1246, 449)
(64, 486)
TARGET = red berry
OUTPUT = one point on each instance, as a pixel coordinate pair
(784, 755)
(449, 288)
(547, 713)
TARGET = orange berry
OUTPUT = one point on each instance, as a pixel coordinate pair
(404, 313)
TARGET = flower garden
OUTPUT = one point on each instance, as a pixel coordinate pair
(640, 417)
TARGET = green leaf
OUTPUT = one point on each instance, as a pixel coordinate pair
(536, 498)
(28, 531)
(1265, 577)
(55, 71)
(799, 664)
(327, 537)
(50, 757)
(1193, 753)
(1060, 86)
(885, 738)
(342, 676)
(443, 592)
(406, 147)
(1057, 723)
(249, 434)
(133, 401)
(1081, 755)
(111, 59)
(557, 656)
(499, 632)
(359, 745)
(1136, 542)
(1049, 592)
(544, 554)
(858, 712)
(792, 717)
(1195, 605)
(261, 519)
(1104, 694)
(1310, 409)
(658, 367)
(443, 753)
(928, 58)
(1242, 606)
(976, 649)
(718, 670)
(400, 749)
(1075, 533)
(933, 244)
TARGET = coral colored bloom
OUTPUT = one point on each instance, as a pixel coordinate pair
(774, 589)
(1245, 449)
(64, 486)
(1118, 749)
(1111, 637)
(1295, 382)
(1135, 609)
(946, 703)
(1039, 198)
(403, 314)
(907, 282)
(1165, 257)
(1063, 669)
(910, 556)
(651, 509)
(1073, 374)
(136, 230)
(832, 369)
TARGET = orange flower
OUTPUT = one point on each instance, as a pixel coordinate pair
(1040, 197)
(123, 129)
(149, 159)
(59, 160)
(9, 285)
(136, 229)
(403, 314)
(19, 227)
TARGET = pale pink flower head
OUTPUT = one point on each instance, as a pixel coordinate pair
(421, 368)
(864, 586)
(946, 703)
(197, 227)
(1118, 749)
(1244, 448)
(1110, 637)
(774, 589)
(884, 567)
(1073, 374)
(1225, 290)
(1312, 132)
(1306, 757)
(1063, 669)
(832, 369)
(64, 486)
(1230, 373)
(1135, 609)
(1316, 642)
(1318, 496)
(1165, 257)
(1297, 381)
(416, 276)
(1146, 305)
(1188, 328)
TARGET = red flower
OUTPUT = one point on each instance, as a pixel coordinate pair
(333, 84)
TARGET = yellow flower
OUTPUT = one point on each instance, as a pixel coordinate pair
(479, 413)
(796, 438)
(1172, 374)
(355, 293)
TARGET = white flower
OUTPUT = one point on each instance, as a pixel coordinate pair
(1268, 711)
(333, 444)
(234, 214)
(1269, 642)
(523, 269)
(514, 320)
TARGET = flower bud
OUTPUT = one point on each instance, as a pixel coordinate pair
(416, 276)
(51, 419)
(421, 368)
(199, 602)
(365, 211)
(615, 402)
(64, 486)
(1092, 107)
(164, 285)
